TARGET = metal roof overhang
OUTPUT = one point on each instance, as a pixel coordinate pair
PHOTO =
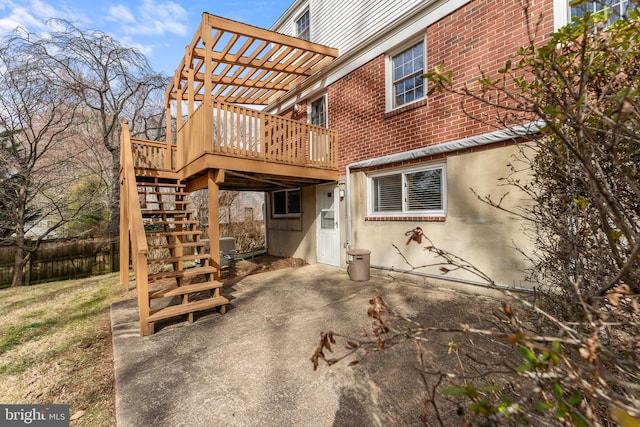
(243, 64)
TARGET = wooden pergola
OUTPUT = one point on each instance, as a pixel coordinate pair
(237, 63)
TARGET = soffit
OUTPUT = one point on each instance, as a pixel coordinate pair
(243, 64)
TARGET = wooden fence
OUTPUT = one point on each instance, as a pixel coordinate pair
(63, 259)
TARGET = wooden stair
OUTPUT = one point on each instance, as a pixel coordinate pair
(185, 277)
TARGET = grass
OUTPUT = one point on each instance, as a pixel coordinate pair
(55, 346)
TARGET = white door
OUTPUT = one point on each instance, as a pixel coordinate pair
(328, 231)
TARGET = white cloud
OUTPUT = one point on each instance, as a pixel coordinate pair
(120, 13)
(19, 17)
(153, 18)
(33, 14)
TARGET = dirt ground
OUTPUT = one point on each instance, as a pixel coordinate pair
(259, 264)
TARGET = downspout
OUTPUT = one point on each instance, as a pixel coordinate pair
(448, 147)
(347, 198)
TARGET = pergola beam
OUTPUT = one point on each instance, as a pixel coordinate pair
(240, 63)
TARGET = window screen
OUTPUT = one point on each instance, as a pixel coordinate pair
(412, 191)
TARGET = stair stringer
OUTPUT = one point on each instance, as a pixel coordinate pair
(183, 278)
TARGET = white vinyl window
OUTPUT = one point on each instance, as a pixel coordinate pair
(303, 27)
(419, 191)
(286, 203)
(618, 8)
(564, 12)
(406, 69)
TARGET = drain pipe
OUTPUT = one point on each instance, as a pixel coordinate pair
(347, 199)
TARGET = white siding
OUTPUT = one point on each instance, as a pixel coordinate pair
(344, 24)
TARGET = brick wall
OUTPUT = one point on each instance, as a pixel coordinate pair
(482, 34)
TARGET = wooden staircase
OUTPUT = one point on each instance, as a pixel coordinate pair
(182, 278)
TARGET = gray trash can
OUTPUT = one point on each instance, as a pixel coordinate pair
(359, 264)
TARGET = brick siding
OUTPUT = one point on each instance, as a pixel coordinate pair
(482, 34)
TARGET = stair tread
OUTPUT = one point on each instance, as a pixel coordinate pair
(190, 272)
(178, 309)
(176, 259)
(177, 202)
(169, 223)
(186, 289)
(168, 193)
(173, 233)
(165, 211)
(177, 245)
(155, 183)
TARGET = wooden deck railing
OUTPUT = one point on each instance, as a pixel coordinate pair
(132, 229)
(153, 155)
(233, 130)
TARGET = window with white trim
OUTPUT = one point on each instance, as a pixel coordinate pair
(318, 115)
(303, 26)
(564, 12)
(417, 191)
(618, 8)
(406, 69)
(286, 203)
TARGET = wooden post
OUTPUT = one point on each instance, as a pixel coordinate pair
(143, 294)
(124, 216)
(214, 178)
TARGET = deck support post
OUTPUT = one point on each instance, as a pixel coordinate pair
(214, 179)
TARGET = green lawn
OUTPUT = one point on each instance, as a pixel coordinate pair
(55, 346)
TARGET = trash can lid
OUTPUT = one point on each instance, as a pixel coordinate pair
(359, 252)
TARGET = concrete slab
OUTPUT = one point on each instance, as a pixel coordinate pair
(250, 367)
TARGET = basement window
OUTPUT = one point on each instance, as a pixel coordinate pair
(411, 192)
(286, 203)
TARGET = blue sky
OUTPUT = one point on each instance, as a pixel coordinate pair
(158, 28)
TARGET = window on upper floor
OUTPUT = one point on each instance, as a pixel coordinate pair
(564, 12)
(303, 27)
(618, 8)
(416, 191)
(318, 115)
(406, 69)
(286, 203)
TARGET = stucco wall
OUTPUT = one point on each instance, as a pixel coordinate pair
(294, 237)
(481, 234)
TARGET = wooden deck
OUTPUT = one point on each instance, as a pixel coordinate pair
(215, 143)
(246, 143)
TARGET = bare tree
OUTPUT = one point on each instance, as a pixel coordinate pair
(37, 150)
(110, 80)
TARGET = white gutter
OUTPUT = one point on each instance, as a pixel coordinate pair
(448, 147)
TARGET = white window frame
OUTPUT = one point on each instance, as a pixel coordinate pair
(390, 88)
(287, 214)
(308, 29)
(326, 111)
(404, 211)
(562, 13)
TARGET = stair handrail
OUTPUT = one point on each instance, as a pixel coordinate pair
(132, 228)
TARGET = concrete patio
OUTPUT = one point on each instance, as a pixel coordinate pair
(250, 366)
